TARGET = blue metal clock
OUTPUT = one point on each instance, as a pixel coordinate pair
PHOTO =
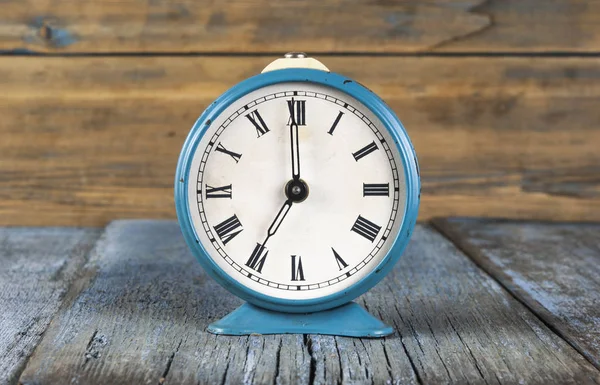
(297, 190)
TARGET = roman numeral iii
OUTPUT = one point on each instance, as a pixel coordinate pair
(366, 228)
(218, 192)
(376, 189)
(226, 230)
(258, 123)
(297, 270)
(232, 154)
(366, 150)
(257, 258)
(297, 110)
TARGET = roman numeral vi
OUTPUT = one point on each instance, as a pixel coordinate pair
(297, 271)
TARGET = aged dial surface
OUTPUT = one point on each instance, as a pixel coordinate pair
(296, 191)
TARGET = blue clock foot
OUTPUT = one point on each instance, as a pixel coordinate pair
(349, 320)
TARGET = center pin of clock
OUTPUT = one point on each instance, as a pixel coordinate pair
(296, 190)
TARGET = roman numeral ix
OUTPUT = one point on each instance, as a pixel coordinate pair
(376, 189)
(297, 112)
(232, 154)
(226, 230)
(218, 192)
(257, 258)
(366, 228)
(297, 271)
(258, 122)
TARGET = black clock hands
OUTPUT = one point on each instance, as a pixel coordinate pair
(259, 254)
(294, 142)
(296, 189)
(278, 220)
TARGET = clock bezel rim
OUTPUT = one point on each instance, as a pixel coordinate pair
(391, 123)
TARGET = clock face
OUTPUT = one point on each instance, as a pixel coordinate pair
(296, 191)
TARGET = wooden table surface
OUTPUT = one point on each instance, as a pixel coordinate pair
(472, 301)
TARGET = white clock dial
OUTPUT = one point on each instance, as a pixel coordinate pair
(345, 197)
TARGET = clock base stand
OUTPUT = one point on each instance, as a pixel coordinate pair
(349, 320)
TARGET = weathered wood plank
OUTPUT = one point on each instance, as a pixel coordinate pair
(36, 268)
(235, 26)
(553, 268)
(326, 26)
(87, 140)
(534, 26)
(143, 320)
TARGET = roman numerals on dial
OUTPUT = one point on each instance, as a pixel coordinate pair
(270, 254)
(257, 258)
(366, 228)
(297, 270)
(228, 229)
(366, 150)
(258, 122)
(297, 110)
(232, 154)
(340, 262)
(218, 192)
(376, 189)
(335, 123)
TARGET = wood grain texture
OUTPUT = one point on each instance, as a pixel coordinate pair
(325, 26)
(90, 139)
(36, 269)
(235, 26)
(553, 268)
(143, 320)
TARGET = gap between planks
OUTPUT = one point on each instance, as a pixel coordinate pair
(216, 54)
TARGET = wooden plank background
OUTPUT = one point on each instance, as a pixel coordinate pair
(323, 26)
(500, 97)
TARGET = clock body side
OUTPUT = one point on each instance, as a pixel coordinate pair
(401, 140)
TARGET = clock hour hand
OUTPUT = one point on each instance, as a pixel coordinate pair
(295, 147)
(278, 219)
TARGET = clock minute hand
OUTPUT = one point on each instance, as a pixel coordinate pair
(294, 142)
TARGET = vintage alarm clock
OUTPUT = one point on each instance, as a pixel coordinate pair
(297, 190)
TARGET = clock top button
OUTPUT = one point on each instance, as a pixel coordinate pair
(295, 55)
(295, 60)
